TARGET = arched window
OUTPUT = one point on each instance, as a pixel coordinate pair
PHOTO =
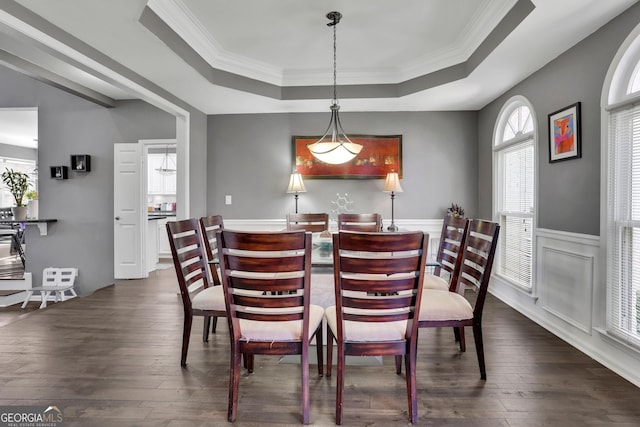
(623, 195)
(514, 190)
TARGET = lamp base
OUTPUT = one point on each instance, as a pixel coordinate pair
(392, 227)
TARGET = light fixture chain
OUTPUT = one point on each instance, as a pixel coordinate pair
(335, 91)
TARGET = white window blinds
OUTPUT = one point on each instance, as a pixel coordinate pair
(623, 225)
(516, 212)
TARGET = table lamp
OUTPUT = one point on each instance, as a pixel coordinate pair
(392, 185)
(296, 185)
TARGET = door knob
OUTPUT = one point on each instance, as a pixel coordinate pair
(117, 218)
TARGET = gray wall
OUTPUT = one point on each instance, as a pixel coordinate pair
(568, 191)
(83, 204)
(249, 158)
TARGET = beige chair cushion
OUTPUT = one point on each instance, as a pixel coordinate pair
(252, 330)
(444, 305)
(367, 331)
(211, 298)
(432, 281)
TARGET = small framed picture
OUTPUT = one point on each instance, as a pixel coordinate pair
(564, 134)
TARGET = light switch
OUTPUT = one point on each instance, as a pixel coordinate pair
(227, 199)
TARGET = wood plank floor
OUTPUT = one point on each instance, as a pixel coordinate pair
(112, 359)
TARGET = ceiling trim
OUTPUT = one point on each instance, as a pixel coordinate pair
(182, 48)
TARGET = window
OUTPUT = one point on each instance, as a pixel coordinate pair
(623, 200)
(514, 178)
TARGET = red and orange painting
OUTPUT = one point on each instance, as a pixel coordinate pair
(379, 156)
(564, 134)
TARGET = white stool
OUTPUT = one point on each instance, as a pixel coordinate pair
(54, 281)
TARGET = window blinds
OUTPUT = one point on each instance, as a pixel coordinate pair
(516, 213)
(623, 225)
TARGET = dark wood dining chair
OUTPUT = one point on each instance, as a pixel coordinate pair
(266, 278)
(453, 232)
(314, 222)
(378, 284)
(209, 225)
(451, 308)
(199, 297)
(360, 222)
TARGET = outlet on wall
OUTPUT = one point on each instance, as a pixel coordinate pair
(227, 199)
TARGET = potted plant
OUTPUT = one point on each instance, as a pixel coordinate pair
(17, 183)
(32, 204)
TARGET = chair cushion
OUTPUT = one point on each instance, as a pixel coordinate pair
(211, 298)
(366, 331)
(252, 330)
(432, 281)
(444, 305)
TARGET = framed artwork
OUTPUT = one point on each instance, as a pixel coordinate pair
(564, 134)
(380, 155)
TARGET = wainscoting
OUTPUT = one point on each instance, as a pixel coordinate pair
(569, 298)
(431, 226)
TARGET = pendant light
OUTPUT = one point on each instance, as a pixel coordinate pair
(334, 147)
(167, 167)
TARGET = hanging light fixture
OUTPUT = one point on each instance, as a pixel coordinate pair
(168, 166)
(334, 147)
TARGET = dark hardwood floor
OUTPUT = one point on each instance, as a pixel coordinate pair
(113, 359)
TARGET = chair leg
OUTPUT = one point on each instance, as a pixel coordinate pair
(456, 334)
(463, 344)
(186, 333)
(234, 382)
(398, 365)
(205, 328)
(477, 335)
(214, 324)
(340, 384)
(329, 351)
(304, 366)
(319, 350)
(249, 363)
(410, 362)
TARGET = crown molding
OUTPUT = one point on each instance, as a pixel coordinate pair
(181, 20)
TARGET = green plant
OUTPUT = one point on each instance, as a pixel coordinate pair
(17, 183)
(31, 195)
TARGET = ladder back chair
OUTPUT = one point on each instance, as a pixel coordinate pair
(209, 225)
(453, 232)
(314, 222)
(360, 222)
(199, 298)
(378, 283)
(450, 308)
(266, 280)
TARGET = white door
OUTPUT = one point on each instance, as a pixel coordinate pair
(128, 217)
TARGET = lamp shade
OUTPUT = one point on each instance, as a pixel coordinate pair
(392, 183)
(296, 184)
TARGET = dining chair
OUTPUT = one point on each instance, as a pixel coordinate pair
(314, 222)
(378, 284)
(453, 232)
(266, 280)
(450, 308)
(209, 225)
(199, 297)
(360, 222)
